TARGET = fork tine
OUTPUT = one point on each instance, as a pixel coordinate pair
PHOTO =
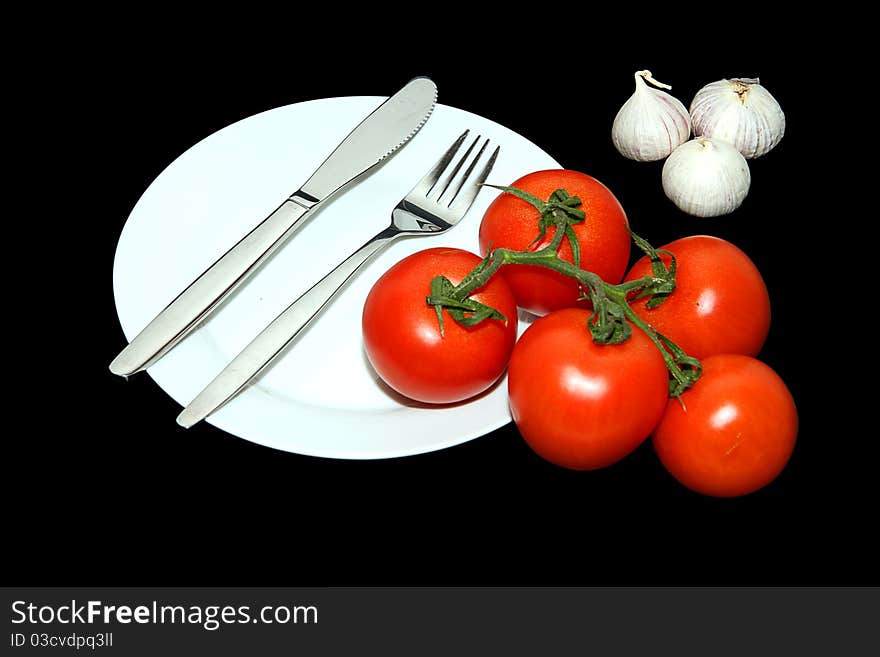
(469, 171)
(427, 183)
(457, 168)
(465, 197)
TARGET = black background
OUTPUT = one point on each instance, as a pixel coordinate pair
(103, 487)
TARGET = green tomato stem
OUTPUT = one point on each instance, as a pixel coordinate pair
(611, 309)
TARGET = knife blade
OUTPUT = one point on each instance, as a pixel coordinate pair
(383, 132)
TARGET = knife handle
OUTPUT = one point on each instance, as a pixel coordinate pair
(205, 293)
(272, 340)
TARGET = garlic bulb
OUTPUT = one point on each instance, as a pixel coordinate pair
(739, 111)
(706, 177)
(651, 124)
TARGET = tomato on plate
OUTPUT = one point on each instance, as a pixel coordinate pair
(402, 335)
(737, 433)
(603, 238)
(720, 304)
(580, 404)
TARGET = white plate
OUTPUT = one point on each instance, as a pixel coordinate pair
(322, 397)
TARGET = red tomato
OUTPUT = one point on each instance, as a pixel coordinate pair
(402, 336)
(737, 433)
(720, 304)
(579, 404)
(604, 241)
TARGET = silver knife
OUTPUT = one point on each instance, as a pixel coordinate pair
(383, 132)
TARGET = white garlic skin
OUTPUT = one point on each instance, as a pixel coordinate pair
(651, 124)
(706, 177)
(739, 111)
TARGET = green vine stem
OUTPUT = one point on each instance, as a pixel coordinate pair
(612, 315)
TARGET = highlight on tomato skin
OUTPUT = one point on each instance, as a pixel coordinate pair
(738, 430)
(580, 404)
(603, 238)
(402, 337)
(720, 304)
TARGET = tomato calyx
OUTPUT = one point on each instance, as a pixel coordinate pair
(664, 277)
(689, 369)
(465, 311)
(612, 318)
(561, 210)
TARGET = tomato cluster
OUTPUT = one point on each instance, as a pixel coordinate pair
(581, 404)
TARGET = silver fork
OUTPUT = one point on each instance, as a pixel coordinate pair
(435, 204)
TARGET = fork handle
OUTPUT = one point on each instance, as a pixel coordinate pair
(264, 348)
